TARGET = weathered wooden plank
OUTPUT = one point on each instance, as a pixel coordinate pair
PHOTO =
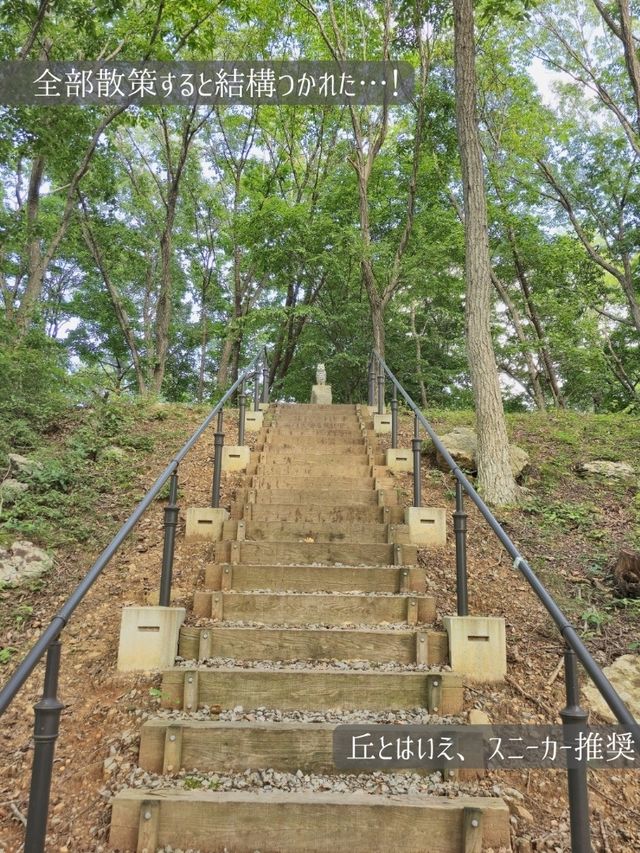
(283, 531)
(333, 497)
(329, 553)
(323, 609)
(282, 479)
(311, 689)
(308, 578)
(301, 644)
(327, 514)
(316, 823)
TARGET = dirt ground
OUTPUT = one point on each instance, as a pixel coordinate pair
(102, 708)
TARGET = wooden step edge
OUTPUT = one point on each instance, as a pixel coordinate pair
(145, 819)
(305, 607)
(189, 688)
(358, 554)
(299, 643)
(168, 746)
(398, 579)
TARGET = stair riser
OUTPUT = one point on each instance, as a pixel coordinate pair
(308, 690)
(291, 823)
(332, 497)
(327, 514)
(315, 456)
(307, 578)
(282, 609)
(287, 532)
(302, 465)
(289, 553)
(283, 480)
(228, 748)
(291, 644)
(218, 747)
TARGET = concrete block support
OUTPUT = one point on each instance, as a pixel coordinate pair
(400, 460)
(321, 395)
(149, 637)
(235, 458)
(477, 647)
(381, 424)
(427, 525)
(253, 421)
(205, 522)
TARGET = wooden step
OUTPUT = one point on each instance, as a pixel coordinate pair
(331, 497)
(188, 689)
(313, 456)
(282, 480)
(325, 513)
(309, 822)
(282, 608)
(289, 644)
(306, 553)
(269, 465)
(287, 531)
(211, 746)
(308, 578)
(311, 440)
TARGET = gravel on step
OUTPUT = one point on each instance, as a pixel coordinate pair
(375, 783)
(307, 626)
(323, 665)
(360, 592)
(411, 716)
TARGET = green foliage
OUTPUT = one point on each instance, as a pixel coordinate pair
(6, 654)
(35, 389)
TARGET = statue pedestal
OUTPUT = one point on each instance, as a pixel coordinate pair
(321, 394)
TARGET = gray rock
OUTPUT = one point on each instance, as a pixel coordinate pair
(21, 466)
(620, 471)
(624, 674)
(462, 444)
(11, 490)
(23, 562)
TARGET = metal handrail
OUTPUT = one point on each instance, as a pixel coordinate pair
(59, 621)
(608, 692)
(49, 708)
(574, 648)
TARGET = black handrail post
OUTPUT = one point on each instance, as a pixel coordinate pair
(256, 390)
(170, 524)
(416, 443)
(45, 734)
(574, 716)
(372, 382)
(460, 531)
(394, 418)
(381, 382)
(218, 444)
(265, 383)
(242, 404)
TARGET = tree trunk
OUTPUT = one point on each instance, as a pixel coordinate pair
(495, 478)
(163, 308)
(118, 306)
(203, 349)
(532, 313)
(222, 379)
(512, 309)
(35, 275)
(416, 338)
(377, 325)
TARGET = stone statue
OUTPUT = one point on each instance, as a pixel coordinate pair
(321, 375)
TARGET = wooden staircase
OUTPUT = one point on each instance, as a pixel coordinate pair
(314, 605)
